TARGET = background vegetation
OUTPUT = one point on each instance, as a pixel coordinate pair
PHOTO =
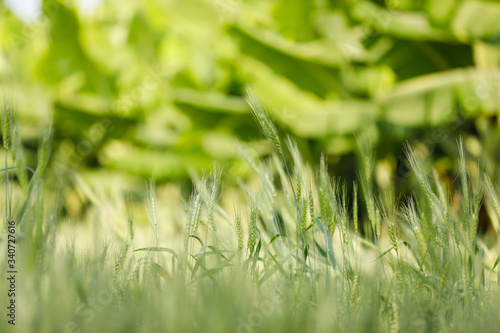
(155, 86)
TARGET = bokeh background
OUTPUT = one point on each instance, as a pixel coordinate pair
(156, 87)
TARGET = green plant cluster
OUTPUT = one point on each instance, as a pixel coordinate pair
(157, 86)
(295, 258)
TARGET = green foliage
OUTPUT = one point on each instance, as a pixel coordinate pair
(161, 88)
(431, 270)
(130, 82)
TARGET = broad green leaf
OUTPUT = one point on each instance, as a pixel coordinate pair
(315, 51)
(467, 26)
(404, 25)
(440, 12)
(211, 101)
(142, 37)
(65, 56)
(293, 19)
(146, 162)
(373, 81)
(305, 114)
(431, 99)
(486, 56)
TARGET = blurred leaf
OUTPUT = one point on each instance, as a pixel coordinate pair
(211, 101)
(65, 55)
(142, 37)
(385, 251)
(73, 122)
(431, 99)
(467, 26)
(412, 26)
(305, 114)
(158, 249)
(373, 81)
(426, 100)
(496, 261)
(143, 162)
(278, 265)
(440, 12)
(315, 51)
(486, 56)
(293, 18)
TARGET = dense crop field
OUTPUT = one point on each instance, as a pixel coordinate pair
(296, 249)
(250, 166)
